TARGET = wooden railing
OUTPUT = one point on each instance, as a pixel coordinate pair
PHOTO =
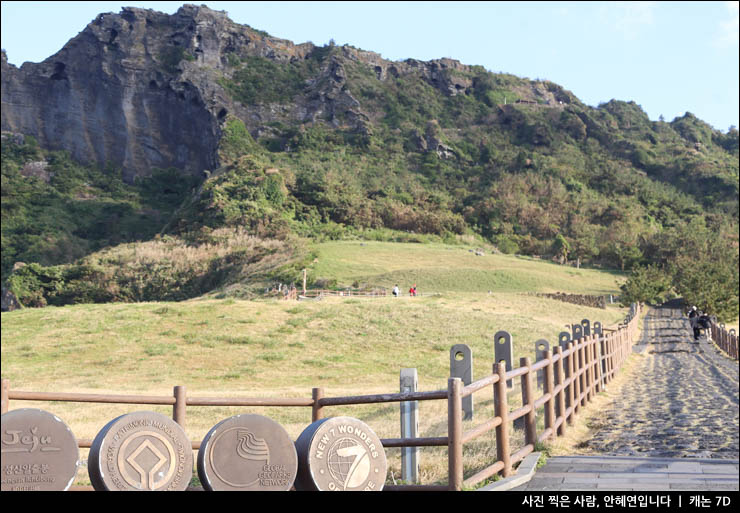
(572, 377)
(725, 340)
(345, 293)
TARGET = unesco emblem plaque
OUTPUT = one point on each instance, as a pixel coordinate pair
(141, 451)
(247, 453)
(39, 452)
(340, 454)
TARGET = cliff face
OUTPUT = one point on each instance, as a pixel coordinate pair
(142, 89)
(137, 89)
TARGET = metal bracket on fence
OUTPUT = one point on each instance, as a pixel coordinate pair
(409, 427)
(504, 351)
(461, 366)
(540, 348)
(586, 325)
(577, 331)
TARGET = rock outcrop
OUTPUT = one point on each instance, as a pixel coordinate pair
(143, 89)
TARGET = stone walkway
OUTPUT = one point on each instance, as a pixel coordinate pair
(674, 425)
(634, 473)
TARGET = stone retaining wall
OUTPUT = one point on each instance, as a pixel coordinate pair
(578, 299)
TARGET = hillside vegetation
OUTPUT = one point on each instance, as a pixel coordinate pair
(408, 151)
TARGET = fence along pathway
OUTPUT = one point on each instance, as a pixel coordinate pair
(572, 377)
(680, 411)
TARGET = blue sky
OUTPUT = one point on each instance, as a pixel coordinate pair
(668, 57)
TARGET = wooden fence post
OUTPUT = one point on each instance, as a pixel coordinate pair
(454, 434)
(576, 356)
(588, 364)
(316, 409)
(571, 388)
(180, 407)
(583, 368)
(501, 406)
(548, 388)
(5, 395)
(530, 424)
(561, 394)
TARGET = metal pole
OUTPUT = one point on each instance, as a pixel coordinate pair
(409, 427)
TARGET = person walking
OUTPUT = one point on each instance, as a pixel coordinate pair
(694, 321)
(396, 291)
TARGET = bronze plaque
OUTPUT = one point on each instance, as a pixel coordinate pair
(39, 452)
(248, 453)
(141, 451)
(340, 454)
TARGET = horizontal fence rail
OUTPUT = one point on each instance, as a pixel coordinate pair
(572, 377)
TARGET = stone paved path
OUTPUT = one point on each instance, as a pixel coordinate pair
(634, 473)
(681, 408)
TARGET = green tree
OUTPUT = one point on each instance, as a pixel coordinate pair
(648, 284)
(561, 248)
(710, 280)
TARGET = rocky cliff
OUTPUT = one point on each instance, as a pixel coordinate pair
(143, 89)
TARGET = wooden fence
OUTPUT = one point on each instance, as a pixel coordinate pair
(313, 293)
(725, 340)
(572, 377)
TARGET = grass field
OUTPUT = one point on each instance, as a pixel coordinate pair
(270, 348)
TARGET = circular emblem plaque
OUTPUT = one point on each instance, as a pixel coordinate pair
(141, 451)
(247, 452)
(39, 452)
(340, 454)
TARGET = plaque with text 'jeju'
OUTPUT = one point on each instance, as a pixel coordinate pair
(247, 453)
(39, 452)
(143, 451)
(340, 454)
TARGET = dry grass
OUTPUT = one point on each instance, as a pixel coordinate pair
(236, 348)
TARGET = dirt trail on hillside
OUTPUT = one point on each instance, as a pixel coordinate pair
(682, 401)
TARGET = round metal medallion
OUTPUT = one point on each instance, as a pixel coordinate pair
(340, 454)
(39, 452)
(247, 452)
(141, 451)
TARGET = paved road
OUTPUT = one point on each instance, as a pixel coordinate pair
(680, 411)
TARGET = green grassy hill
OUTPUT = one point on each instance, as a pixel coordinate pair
(436, 267)
(268, 347)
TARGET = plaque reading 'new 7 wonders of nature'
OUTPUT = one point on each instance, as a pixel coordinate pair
(340, 454)
(247, 453)
(141, 451)
(39, 452)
